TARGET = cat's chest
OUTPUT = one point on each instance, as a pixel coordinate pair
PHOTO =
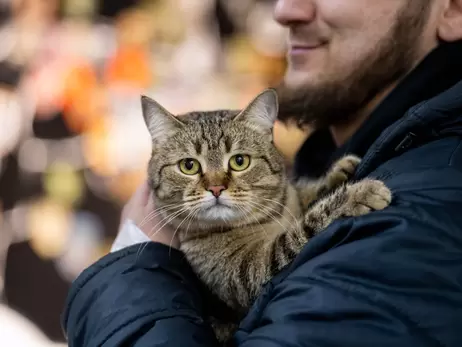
(220, 253)
(222, 261)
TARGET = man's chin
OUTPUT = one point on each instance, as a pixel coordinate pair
(295, 79)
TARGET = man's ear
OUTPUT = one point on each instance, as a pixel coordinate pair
(450, 27)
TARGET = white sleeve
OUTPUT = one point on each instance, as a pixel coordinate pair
(129, 235)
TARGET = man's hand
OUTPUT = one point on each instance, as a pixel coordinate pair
(141, 213)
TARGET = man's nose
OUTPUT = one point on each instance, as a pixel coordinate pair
(216, 190)
(290, 12)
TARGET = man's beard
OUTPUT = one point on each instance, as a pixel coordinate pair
(338, 101)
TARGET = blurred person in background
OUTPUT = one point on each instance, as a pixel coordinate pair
(382, 80)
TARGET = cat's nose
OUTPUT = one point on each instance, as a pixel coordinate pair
(216, 190)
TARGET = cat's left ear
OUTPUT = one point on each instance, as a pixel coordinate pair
(160, 123)
(262, 111)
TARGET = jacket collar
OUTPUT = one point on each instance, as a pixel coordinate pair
(424, 104)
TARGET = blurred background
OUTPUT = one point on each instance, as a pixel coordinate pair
(73, 145)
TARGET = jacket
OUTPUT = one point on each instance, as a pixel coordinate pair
(389, 278)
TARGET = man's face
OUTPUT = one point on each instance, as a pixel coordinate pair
(343, 53)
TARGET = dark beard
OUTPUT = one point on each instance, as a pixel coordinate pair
(338, 101)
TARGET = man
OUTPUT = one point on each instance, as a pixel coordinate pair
(384, 77)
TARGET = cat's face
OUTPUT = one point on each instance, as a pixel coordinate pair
(218, 168)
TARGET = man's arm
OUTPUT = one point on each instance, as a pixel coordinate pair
(143, 295)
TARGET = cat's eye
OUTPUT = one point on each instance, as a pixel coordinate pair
(239, 162)
(189, 166)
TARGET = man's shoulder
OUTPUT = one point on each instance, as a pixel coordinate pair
(426, 184)
(436, 164)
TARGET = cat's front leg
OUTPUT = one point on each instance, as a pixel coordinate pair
(339, 173)
(350, 200)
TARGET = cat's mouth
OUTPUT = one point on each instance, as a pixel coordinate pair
(218, 204)
(221, 201)
(219, 210)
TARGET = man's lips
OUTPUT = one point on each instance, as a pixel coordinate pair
(295, 49)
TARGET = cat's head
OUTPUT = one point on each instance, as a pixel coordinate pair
(216, 168)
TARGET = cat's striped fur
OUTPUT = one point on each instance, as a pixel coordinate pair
(265, 220)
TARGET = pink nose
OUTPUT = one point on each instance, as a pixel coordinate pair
(216, 190)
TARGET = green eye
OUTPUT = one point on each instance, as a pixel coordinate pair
(239, 162)
(189, 166)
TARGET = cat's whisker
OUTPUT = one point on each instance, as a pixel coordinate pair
(164, 209)
(295, 220)
(172, 217)
(169, 218)
(248, 214)
(269, 214)
(158, 211)
(282, 205)
(155, 215)
(179, 225)
(196, 211)
(141, 248)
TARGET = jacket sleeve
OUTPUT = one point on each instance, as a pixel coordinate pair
(143, 295)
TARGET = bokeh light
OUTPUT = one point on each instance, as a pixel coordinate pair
(73, 143)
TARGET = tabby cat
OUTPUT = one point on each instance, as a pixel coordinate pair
(218, 179)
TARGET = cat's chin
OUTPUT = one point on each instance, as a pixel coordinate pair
(220, 214)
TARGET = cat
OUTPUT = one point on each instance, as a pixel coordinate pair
(220, 182)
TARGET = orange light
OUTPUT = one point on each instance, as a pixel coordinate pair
(84, 98)
(130, 66)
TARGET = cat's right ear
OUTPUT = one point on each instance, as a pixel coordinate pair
(160, 123)
(262, 111)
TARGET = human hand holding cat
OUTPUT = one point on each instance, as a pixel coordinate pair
(141, 213)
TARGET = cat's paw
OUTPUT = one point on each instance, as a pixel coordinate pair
(366, 196)
(342, 170)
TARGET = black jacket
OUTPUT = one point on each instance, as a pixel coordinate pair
(390, 278)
